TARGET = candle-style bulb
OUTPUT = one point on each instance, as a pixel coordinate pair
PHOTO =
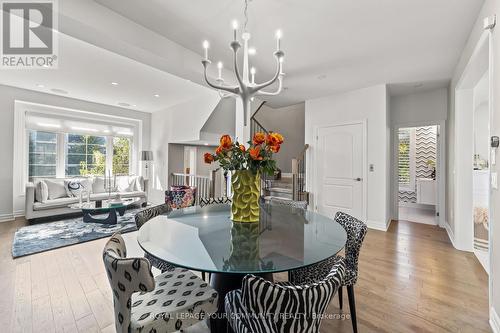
(206, 45)
(235, 29)
(278, 39)
(253, 71)
(219, 67)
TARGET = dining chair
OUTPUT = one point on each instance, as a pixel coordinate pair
(356, 231)
(289, 203)
(214, 201)
(170, 302)
(264, 306)
(142, 217)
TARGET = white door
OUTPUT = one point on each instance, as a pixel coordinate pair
(339, 170)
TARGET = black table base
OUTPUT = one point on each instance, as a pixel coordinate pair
(224, 283)
(110, 219)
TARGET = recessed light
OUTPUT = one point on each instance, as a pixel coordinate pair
(123, 104)
(58, 91)
(40, 86)
(156, 95)
(114, 83)
(252, 51)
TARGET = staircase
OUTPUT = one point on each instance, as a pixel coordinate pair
(291, 187)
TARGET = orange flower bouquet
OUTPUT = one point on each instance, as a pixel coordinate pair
(232, 155)
(246, 165)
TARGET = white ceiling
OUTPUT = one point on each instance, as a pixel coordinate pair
(330, 45)
(86, 72)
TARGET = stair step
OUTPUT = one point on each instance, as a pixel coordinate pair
(280, 190)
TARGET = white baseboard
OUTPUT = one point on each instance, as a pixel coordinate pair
(494, 321)
(378, 225)
(6, 217)
(451, 236)
(417, 205)
(19, 213)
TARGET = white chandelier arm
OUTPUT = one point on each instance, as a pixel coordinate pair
(235, 45)
(232, 90)
(258, 87)
(277, 92)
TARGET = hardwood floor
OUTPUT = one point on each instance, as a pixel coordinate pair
(411, 280)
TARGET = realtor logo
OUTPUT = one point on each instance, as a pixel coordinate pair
(28, 38)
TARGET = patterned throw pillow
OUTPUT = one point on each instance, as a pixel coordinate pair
(75, 187)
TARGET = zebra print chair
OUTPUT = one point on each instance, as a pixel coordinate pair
(142, 217)
(214, 201)
(289, 203)
(143, 303)
(263, 306)
(356, 232)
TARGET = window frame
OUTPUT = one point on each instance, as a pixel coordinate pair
(61, 153)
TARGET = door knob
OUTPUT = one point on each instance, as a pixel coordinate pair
(358, 179)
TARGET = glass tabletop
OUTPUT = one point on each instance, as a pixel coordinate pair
(205, 239)
(105, 204)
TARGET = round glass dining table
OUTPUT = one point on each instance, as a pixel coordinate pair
(206, 240)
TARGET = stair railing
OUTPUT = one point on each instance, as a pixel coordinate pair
(205, 186)
(255, 127)
(299, 176)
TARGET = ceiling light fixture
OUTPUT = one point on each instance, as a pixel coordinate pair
(245, 89)
(59, 91)
(114, 83)
(40, 86)
(156, 95)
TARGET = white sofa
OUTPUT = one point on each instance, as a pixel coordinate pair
(46, 197)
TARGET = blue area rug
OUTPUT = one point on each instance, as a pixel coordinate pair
(47, 236)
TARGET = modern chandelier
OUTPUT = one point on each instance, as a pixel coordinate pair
(246, 88)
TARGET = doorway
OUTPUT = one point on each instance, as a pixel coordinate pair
(340, 171)
(417, 170)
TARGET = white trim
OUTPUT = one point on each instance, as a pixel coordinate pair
(494, 321)
(378, 225)
(441, 164)
(449, 231)
(6, 217)
(286, 175)
(364, 123)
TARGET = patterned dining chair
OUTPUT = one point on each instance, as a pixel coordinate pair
(142, 217)
(170, 302)
(289, 203)
(259, 297)
(214, 201)
(356, 232)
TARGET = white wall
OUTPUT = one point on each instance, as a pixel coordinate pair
(289, 121)
(368, 104)
(9, 206)
(420, 107)
(490, 7)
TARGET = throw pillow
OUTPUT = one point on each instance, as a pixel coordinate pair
(98, 185)
(75, 187)
(138, 183)
(125, 183)
(41, 191)
(56, 189)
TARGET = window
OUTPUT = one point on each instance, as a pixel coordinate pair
(406, 159)
(42, 154)
(121, 155)
(85, 155)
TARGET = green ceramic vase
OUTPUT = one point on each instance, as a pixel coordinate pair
(246, 194)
